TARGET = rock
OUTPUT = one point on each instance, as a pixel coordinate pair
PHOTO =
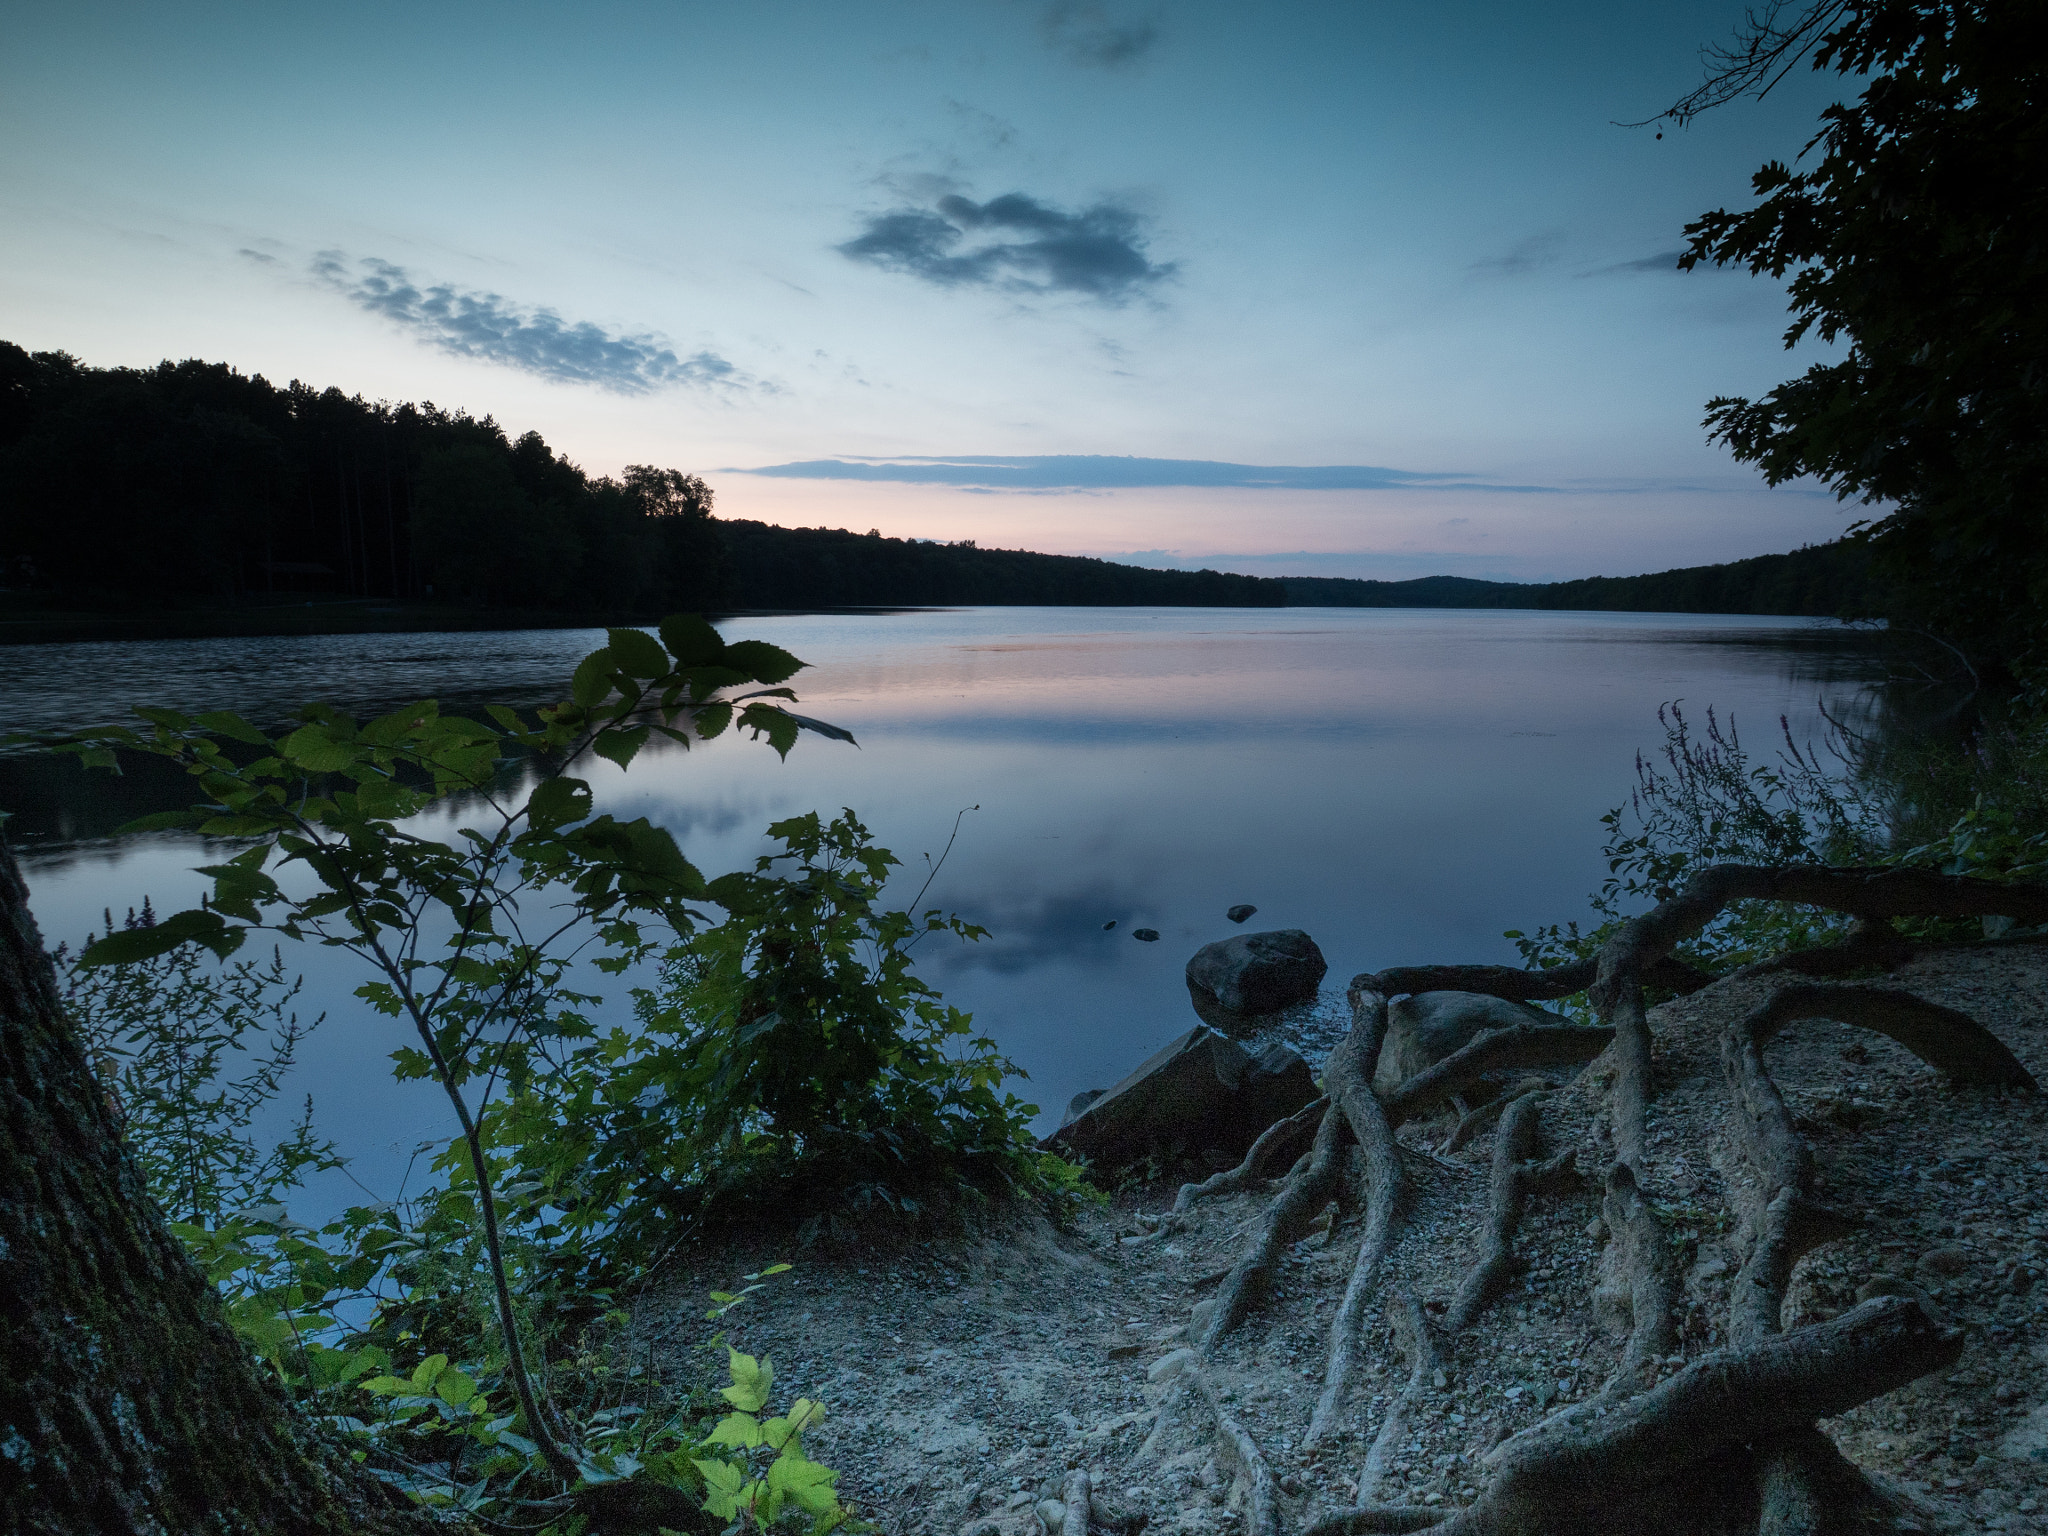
(1146, 935)
(1254, 973)
(1169, 1365)
(1240, 912)
(1203, 1091)
(1944, 1261)
(1052, 1515)
(2028, 1439)
(1109, 925)
(1422, 1030)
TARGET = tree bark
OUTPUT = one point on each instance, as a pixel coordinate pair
(127, 1405)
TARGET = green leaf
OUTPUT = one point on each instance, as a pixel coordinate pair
(690, 640)
(132, 944)
(454, 1386)
(313, 749)
(637, 653)
(762, 662)
(752, 1380)
(742, 1431)
(620, 746)
(232, 726)
(424, 1374)
(592, 683)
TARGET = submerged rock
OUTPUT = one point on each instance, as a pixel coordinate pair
(1241, 978)
(1147, 935)
(1202, 1093)
(1240, 912)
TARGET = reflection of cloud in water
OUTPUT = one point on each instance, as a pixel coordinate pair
(1030, 928)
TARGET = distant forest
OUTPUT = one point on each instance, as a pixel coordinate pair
(194, 486)
(1822, 580)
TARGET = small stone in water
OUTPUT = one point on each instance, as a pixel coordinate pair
(1148, 935)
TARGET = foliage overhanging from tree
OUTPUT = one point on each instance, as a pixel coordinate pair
(1916, 234)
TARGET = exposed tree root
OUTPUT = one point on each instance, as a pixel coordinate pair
(1475, 1120)
(1348, 1077)
(1278, 1144)
(1515, 1144)
(1805, 1487)
(1074, 1497)
(1732, 1435)
(1871, 944)
(1586, 1469)
(1262, 1510)
(1411, 1328)
(1953, 1043)
(1287, 1218)
(1519, 1045)
(1634, 1298)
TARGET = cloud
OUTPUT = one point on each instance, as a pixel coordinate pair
(1013, 242)
(1083, 32)
(1103, 472)
(1663, 261)
(469, 322)
(1529, 255)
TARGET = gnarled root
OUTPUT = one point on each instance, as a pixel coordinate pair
(1411, 1327)
(1474, 1121)
(1951, 1042)
(1287, 1218)
(1515, 1144)
(1579, 1470)
(1262, 1509)
(1519, 1045)
(1635, 1289)
(1074, 1499)
(1348, 1076)
(1279, 1144)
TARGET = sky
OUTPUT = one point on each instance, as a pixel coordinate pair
(1336, 287)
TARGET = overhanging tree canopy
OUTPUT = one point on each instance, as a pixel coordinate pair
(1919, 238)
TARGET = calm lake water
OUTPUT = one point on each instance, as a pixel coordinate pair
(1404, 784)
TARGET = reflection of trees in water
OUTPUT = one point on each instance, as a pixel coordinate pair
(60, 809)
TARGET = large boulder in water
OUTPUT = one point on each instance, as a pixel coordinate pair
(1254, 973)
(1202, 1093)
(1422, 1030)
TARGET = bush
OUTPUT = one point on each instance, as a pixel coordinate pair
(1977, 807)
(789, 1052)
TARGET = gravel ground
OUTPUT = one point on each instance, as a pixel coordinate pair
(964, 1378)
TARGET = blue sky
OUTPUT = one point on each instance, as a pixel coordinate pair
(1389, 271)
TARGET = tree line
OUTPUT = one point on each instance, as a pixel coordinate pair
(1832, 581)
(192, 483)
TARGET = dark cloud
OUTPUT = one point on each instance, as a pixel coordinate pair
(470, 322)
(1101, 471)
(1084, 32)
(1013, 242)
(1663, 261)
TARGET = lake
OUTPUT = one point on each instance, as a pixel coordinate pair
(1403, 784)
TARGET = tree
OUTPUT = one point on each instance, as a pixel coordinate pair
(126, 1402)
(1918, 238)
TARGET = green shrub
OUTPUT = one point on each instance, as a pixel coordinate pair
(790, 1052)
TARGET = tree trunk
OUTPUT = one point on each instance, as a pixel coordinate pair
(126, 1402)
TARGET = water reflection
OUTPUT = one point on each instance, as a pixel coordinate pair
(1402, 784)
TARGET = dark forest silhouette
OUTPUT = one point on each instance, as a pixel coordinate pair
(192, 487)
